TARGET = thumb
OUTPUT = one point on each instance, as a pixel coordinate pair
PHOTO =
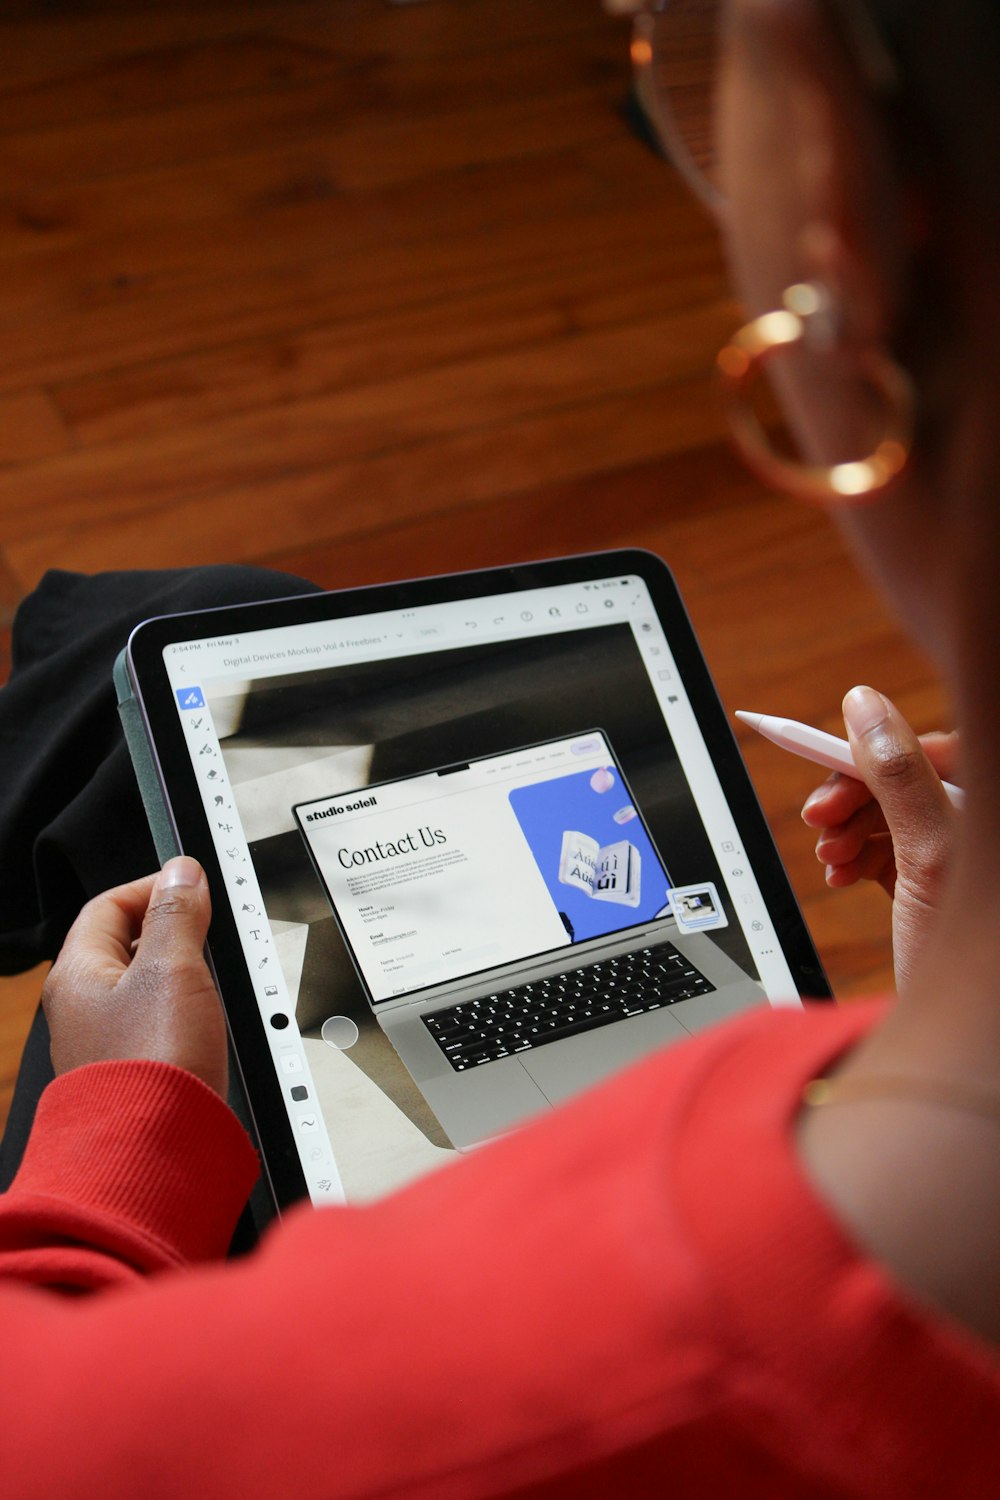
(894, 767)
(175, 924)
(171, 993)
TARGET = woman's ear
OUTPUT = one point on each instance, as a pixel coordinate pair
(811, 196)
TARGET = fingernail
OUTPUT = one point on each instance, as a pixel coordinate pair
(813, 798)
(182, 871)
(864, 710)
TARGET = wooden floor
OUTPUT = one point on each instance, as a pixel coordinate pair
(366, 290)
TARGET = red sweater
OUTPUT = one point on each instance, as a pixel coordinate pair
(640, 1295)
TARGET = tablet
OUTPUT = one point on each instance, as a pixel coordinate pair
(473, 842)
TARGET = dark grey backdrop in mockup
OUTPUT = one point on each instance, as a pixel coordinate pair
(418, 713)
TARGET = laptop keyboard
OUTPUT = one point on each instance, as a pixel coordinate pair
(481, 1031)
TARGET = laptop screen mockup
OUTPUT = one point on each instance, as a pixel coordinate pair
(444, 875)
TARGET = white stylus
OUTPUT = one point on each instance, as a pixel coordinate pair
(815, 744)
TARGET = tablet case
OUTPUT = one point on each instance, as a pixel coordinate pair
(260, 1210)
(143, 764)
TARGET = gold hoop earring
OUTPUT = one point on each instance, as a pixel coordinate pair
(804, 319)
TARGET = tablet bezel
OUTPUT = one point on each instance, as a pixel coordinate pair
(179, 788)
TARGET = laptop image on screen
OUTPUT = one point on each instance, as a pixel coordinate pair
(515, 930)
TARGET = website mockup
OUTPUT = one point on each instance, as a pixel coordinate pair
(470, 867)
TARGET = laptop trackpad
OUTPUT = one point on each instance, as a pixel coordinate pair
(561, 1069)
(708, 1010)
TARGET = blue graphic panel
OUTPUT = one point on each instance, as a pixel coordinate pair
(190, 697)
(547, 809)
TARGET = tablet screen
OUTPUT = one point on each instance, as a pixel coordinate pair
(404, 797)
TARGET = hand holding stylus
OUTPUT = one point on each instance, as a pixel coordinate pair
(818, 746)
(890, 818)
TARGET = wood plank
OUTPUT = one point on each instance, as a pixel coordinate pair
(356, 153)
(535, 316)
(104, 305)
(501, 459)
(19, 997)
(11, 594)
(31, 426)
(174, 217)
(319, 130)
(534, 107)
(117, 60)
(114, 61)
(251, 448)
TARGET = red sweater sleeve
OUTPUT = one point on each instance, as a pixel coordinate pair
(637, 1296)
(131, 1167)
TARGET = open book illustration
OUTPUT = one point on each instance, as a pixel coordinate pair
(609, 874)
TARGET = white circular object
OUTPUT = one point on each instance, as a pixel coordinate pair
(340, 1032)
